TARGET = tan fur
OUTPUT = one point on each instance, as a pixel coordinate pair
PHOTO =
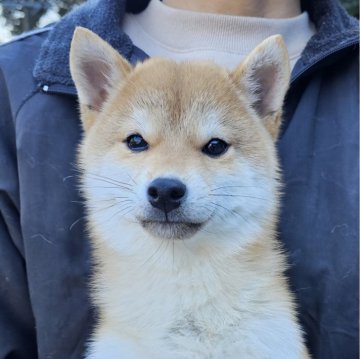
(178, 108)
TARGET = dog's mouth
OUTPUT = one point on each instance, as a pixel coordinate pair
(170, 229)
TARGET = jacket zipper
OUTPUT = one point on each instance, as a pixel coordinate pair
(58, 89)
(71, 91)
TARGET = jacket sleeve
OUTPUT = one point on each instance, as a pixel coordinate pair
(17, 327)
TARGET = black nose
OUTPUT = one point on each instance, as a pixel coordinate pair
(166, 193)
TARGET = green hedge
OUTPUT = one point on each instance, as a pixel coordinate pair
(352, 6)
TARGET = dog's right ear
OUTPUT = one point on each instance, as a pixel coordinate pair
(96, 69)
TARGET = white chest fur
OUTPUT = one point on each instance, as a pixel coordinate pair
(168, 305)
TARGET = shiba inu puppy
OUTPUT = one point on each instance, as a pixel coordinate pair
(181, 180)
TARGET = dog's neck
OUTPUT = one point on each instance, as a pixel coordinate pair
(205, 252)
(255, 8)
(177, 260)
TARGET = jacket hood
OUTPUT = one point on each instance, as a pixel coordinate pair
(335, 29)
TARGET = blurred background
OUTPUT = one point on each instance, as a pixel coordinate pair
(17, 16)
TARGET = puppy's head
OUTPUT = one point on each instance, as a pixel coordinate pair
(181, 151)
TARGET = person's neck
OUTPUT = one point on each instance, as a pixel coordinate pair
(254, 8)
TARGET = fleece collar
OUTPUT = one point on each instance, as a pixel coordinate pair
(103, 17)
(335, 30)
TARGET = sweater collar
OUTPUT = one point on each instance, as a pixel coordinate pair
(201, 35)
(335, 29)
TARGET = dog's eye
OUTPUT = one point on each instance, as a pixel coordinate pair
(215, 147)
(136, 143)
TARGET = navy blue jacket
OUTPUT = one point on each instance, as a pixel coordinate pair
(44, 250)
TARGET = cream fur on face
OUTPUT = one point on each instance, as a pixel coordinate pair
(204, 280)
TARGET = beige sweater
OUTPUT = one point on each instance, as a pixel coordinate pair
(164, 31)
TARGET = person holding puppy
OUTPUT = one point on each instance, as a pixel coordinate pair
(44, 257)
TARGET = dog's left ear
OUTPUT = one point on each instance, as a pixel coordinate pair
(263, 77)
(96, 69)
